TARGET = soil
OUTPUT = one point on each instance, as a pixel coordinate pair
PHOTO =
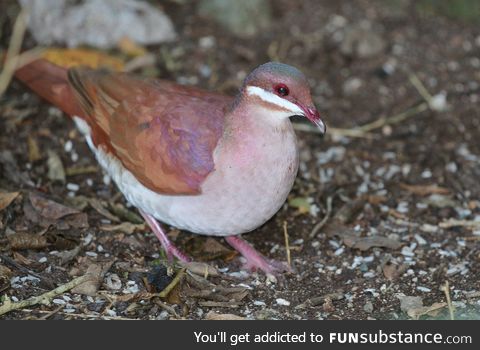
(393, 191)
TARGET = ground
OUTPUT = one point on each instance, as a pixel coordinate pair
(404, 219)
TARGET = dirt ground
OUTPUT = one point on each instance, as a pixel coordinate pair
(378, 222)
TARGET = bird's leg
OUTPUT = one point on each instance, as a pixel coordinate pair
(256, 260)
(167, 245)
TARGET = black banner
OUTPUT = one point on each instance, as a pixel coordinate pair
(241, 334)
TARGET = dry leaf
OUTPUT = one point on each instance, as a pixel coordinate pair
(79, 220)
(56, 172)
(431, 310)
(5, 275)
(222, 317)
(68, 255)
(123, 213)
(81, 170)
(33, 149)
(130, 47)
(212, 249)
(125, 227)
(100, 208)
(82, 57)
(6, 198)
(392, 271)
(200, 269)
(376, 200)
(413, 306)
(50, 209)
(365, 243)
(95, 273)
(352, 239)
(425, 190)
(20, 241)
(5, 272)
(349, 210)
(19, 258)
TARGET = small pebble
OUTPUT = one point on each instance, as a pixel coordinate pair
(369, 274)
(68, 146)
(407, 251)
(368, 307)
(424, 289)
(339, 251)
(282, 302)
(72, 187)
(106, 179)
(426, 174)
(420, 239)
(110, 313)
(207, 42)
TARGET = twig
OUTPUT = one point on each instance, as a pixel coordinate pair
(44, 298)
(14, 48)
(422, 90)
(164, 293)
(319, 226)
(226, 304)
(140, 62)
(83, 316)
(287, 243)
(446, 290)
(167, 308)
(365, 130)
(51, 313)
(471, 224)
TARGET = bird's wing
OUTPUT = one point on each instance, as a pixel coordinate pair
(163, 133)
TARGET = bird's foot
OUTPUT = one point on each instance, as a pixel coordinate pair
(255, 260)
(167, 245)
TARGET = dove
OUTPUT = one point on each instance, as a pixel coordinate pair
(196, 160)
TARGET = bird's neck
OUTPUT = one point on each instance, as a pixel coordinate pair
(254, 133)
(248, 116)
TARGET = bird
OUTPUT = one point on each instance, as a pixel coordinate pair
(197, 160)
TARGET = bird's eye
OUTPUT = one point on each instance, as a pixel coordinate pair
(282, 90)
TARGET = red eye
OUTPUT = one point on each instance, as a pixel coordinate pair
(282, 90)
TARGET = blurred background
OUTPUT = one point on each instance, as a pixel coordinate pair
(397, 83)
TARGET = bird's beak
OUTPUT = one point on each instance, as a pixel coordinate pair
(311, 113)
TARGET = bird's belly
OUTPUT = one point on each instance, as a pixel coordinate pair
(234, 202)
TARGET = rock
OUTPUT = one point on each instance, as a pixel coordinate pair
(98, 23)
(362, 42)
(243, 18)
(368, 307)
(352, 85)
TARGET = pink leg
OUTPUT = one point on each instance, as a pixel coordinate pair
(255, 260)
(167, 245)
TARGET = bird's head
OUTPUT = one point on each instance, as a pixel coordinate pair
(284, 90)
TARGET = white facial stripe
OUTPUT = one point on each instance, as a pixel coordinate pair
(274, 99)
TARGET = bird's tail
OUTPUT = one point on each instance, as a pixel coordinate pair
(50, 81)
